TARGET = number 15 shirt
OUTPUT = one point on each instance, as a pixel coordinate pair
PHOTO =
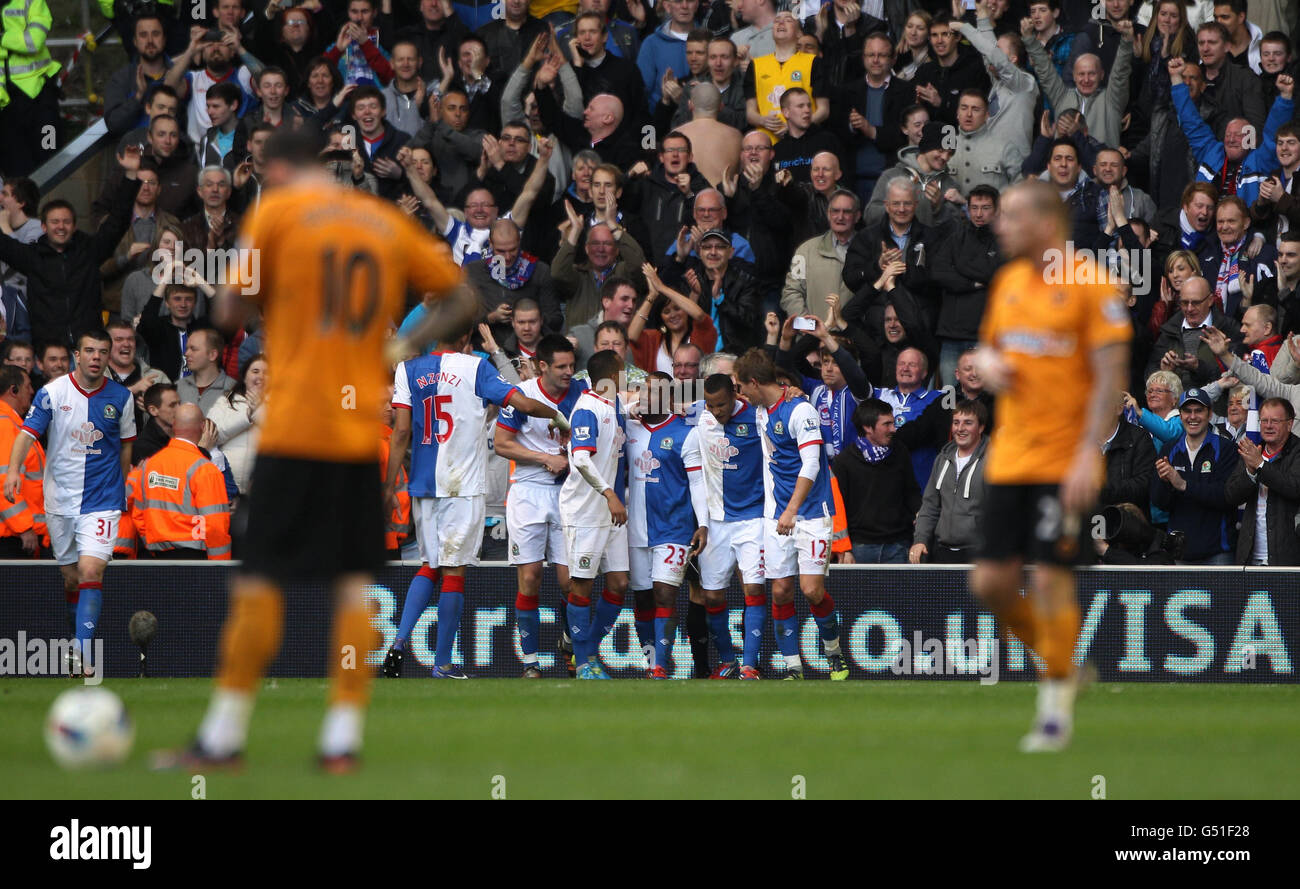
(448, 394)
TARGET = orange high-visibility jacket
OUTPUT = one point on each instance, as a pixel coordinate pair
(398, 527)
(840, 542)
(28, 511)
(128, 526)
(181, 502)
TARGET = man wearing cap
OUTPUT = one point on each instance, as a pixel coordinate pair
(1267, 481)
(927, 166)
(1192, 472)
(725, 286)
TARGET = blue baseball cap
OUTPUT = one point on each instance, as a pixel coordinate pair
(1196, 395)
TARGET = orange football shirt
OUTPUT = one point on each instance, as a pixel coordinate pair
(1047, 333)
(334, 265)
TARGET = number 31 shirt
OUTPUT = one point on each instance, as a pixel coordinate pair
(448, 394)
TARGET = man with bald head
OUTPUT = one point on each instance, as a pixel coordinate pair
(1103, 106)
(600, 128)
(178, 501)
(505, 275)
(1179, 347)
(710, 210)
(1231, 162)
(716, 145)
(809, 201)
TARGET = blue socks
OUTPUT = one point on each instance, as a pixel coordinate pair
(753, 642)
(88, 605)
(450, 602)
(418, 596)
(665, 635)
(645, 633)
(607, 612)
(720, 630)
(579, 615)
(786, 626)
(529, 624)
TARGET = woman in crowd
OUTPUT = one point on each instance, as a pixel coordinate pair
(683, 321)
(914, 48)
(238, 417)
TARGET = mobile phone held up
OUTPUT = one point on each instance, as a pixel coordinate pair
(802, 323)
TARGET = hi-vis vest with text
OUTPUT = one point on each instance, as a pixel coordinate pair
(772, 79)
(27, 61)
(177, 500)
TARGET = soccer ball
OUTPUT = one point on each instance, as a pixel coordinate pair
(88, 727)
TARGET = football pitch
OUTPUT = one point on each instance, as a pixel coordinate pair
(552, 739)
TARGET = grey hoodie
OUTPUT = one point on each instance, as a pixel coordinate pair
(925, 212)
(951, 502)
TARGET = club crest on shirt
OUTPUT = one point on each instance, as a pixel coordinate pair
(666, 444)
(742, 430)
(778, 428)
(1206, 467)
(110, 412)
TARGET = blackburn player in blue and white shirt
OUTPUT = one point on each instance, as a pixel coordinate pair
(666, 524)
(90, 421)
(533, 505)
(724, 459)
(593, 511)
(797, 539)
(442, 401)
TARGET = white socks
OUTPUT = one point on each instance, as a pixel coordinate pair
(1056, 701)
(341, 731)
(224, 729)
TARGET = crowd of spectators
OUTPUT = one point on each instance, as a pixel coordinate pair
(686, 180)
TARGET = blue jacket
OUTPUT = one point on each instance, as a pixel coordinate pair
(660, 52)
(1201, 512)
(1210, 154)
(18, 325)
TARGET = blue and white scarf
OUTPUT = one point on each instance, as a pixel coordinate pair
(870, 452)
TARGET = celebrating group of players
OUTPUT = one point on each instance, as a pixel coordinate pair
(628, 484)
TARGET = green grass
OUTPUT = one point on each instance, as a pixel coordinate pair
(558, 739)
